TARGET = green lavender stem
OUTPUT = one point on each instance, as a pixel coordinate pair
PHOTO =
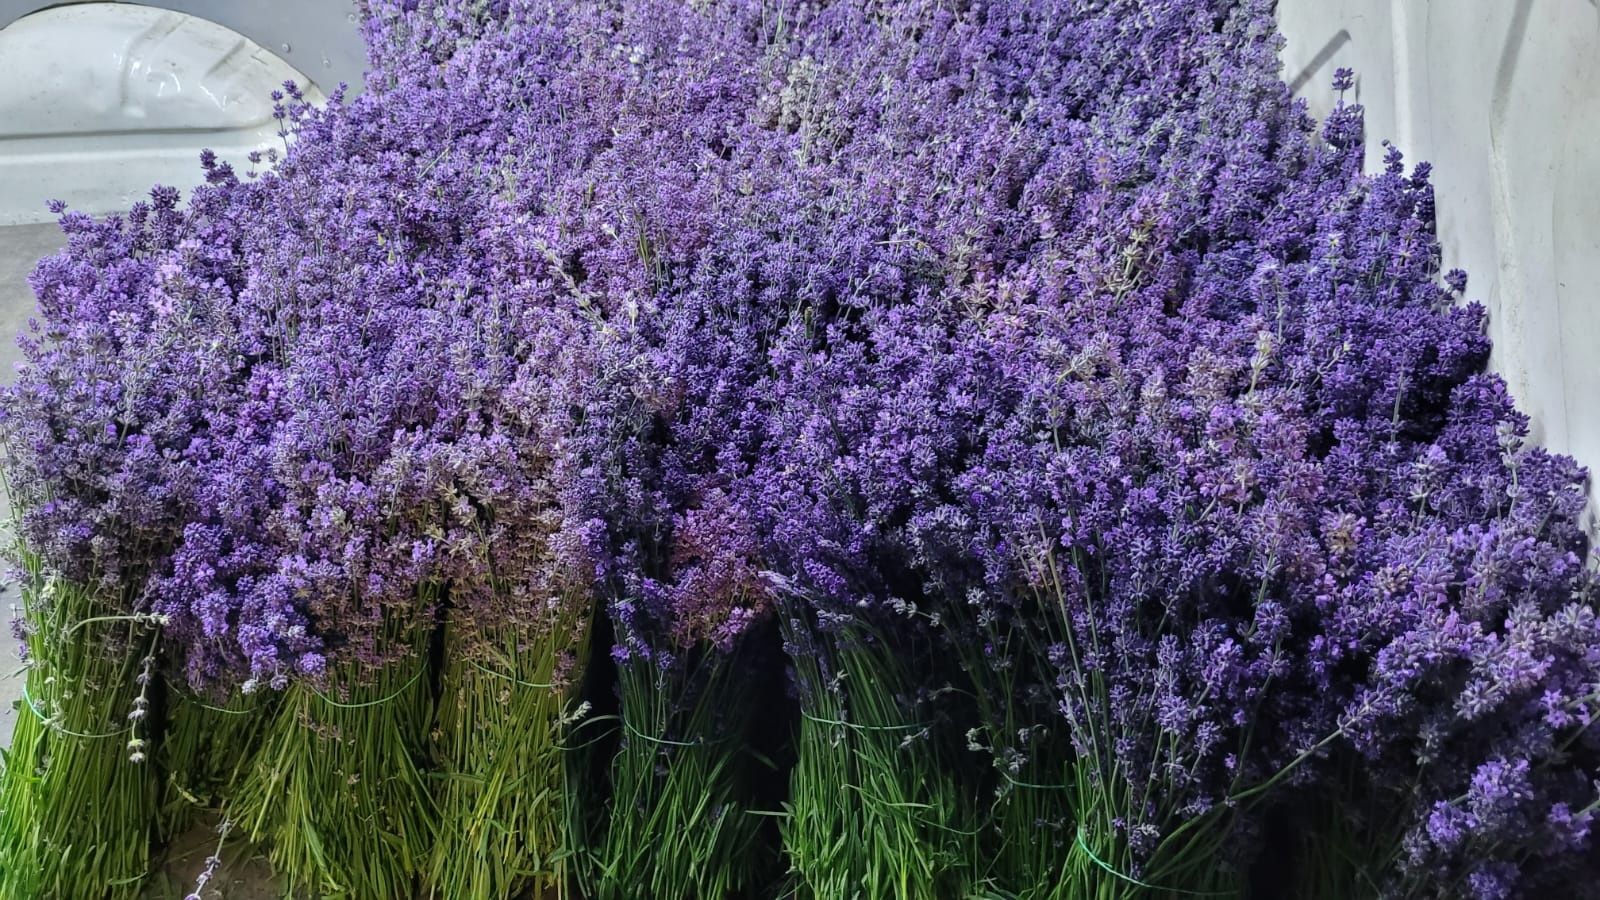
(874, 811)
(336, 790)
(680, 825)
(204, 751)
(76, 814)
(502, 800)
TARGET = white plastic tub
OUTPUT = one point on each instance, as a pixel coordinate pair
(99, 101)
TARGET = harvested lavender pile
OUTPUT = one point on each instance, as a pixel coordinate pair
(752, 448)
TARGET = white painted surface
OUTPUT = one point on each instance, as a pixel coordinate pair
(99, 101)
(1503, 97)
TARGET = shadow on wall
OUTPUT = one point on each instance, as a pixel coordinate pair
(1503, 96)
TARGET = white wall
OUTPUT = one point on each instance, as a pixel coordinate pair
(1503, 97)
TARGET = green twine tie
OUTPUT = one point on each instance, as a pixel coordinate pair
(370, 703)
(662, 741)
(1032, 785)
(511, 678)
(914, 726)
(1136, 882)
(58, 728)
(195, 700)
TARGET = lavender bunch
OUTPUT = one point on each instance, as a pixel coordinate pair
(1194, 447)
(647, 378)
(1235, 487)
(403, 491)
(886, 406)
(103, 431)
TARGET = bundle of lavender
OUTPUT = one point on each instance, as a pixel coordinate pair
(79, 800)
(103, 432)
(1121, 479)
(1174, 435)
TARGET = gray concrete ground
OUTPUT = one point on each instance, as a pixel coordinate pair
(244, 874)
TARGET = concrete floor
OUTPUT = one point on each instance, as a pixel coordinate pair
(244, 874)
